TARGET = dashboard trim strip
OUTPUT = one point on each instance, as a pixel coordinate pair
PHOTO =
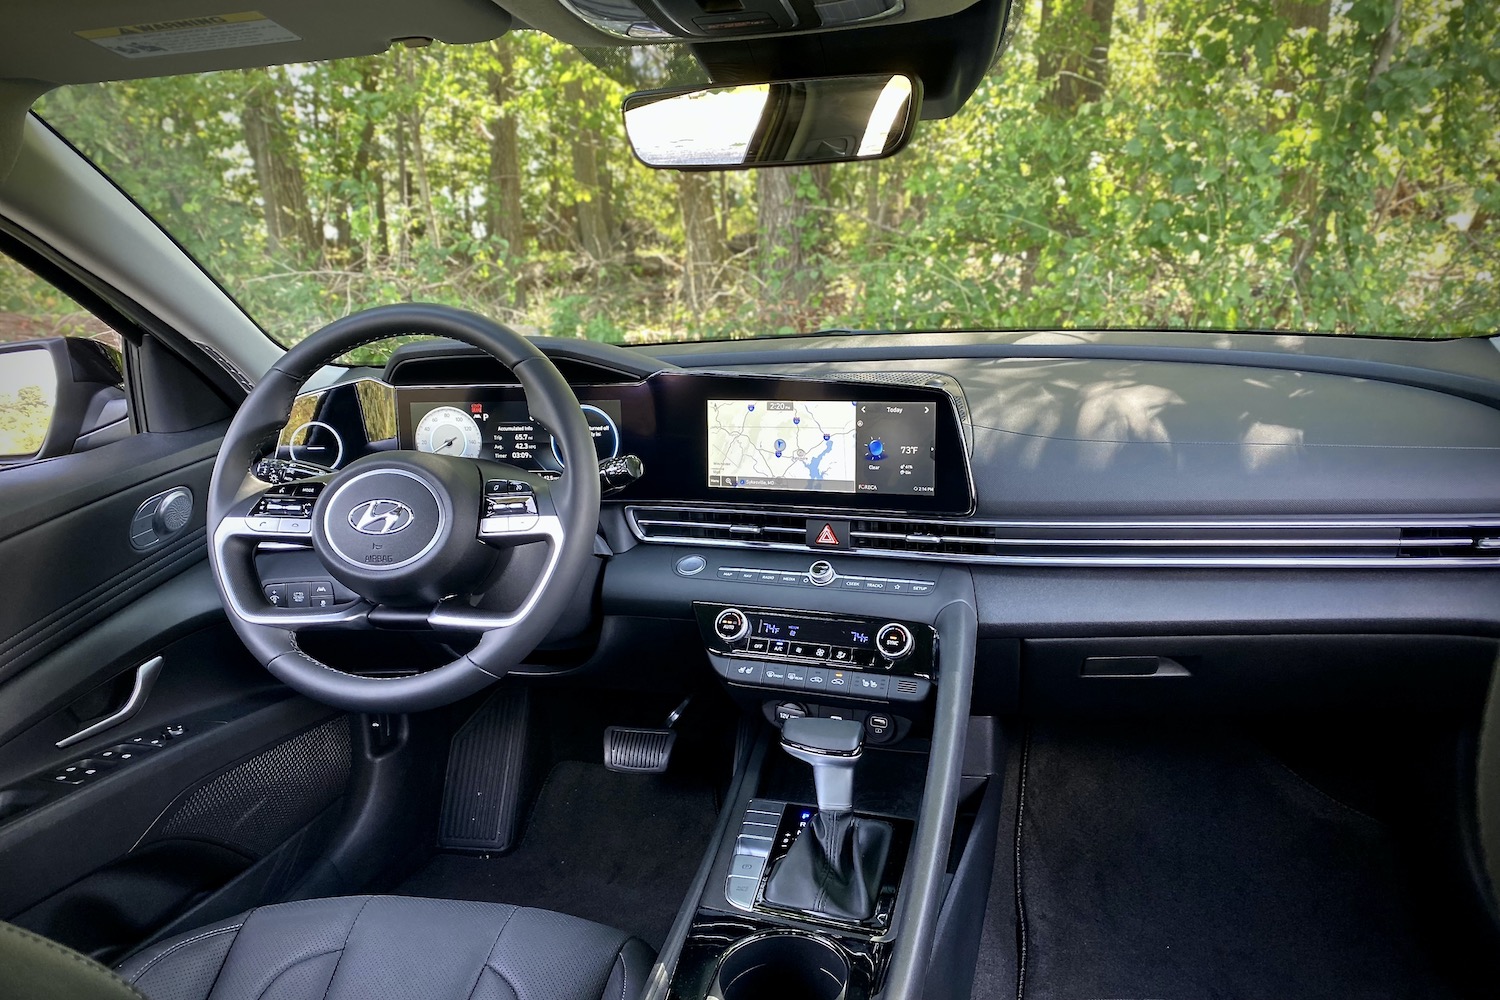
(639, 517)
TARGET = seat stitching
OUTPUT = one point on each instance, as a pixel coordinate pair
(624, 973)
(72, 956)
(490, 954)
(344, 947)
(301, 961)
(182, 944)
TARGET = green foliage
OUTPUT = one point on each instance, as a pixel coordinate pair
(1235, 171)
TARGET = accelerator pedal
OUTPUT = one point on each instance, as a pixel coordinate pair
(487, 777)
(642, 751)
(638, 751)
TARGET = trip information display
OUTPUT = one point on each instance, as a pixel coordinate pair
(822, 446)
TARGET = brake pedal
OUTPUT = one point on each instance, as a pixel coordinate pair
(638, 751)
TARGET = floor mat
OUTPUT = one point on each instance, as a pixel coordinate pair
(620, 849)
(1194, 865)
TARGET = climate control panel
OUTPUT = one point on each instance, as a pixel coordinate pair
(832, 655)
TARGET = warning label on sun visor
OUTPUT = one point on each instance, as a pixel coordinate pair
(183, 35)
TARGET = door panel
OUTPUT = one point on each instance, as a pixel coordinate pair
(67, 536)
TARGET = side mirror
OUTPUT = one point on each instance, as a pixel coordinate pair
(58, 396)
(826, 120)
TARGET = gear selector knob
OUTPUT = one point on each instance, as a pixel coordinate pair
(833, 748)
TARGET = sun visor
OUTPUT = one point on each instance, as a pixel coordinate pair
(88, 41)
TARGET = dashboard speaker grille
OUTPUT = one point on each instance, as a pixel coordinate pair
(1331, 542)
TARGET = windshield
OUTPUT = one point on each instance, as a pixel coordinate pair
(1262, 165)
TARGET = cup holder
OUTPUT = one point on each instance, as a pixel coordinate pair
(781, 966)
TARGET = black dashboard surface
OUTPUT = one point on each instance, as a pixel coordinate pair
(1182, 425)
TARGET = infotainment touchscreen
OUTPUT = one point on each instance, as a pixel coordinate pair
(822, 446)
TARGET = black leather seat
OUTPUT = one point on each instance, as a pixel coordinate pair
(374, 947)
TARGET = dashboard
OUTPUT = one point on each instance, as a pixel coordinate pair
(1244, 520)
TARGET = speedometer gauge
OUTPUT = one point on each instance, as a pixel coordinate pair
(447, 430)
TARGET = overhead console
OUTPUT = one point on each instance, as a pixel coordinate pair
(729, 440)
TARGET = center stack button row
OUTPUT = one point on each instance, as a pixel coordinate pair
(830, 680)
(782, 578)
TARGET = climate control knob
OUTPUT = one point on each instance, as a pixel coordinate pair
(894, 641)
(732, 625)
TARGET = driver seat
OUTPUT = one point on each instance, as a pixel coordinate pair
(352, 947)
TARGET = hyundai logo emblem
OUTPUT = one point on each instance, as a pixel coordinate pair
(380, 517)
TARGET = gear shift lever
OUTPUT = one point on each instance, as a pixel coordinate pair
(833, 748)
(834, 866)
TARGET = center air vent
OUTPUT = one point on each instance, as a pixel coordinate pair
(1354, 542)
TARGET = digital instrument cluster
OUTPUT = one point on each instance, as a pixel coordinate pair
(502, 430)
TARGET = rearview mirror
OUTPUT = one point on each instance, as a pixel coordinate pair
(827, 120)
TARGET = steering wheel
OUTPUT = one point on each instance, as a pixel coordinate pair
(416, 536)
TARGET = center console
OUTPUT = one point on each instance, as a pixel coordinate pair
(827, 875)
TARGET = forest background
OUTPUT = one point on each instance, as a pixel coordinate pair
(1255, 164)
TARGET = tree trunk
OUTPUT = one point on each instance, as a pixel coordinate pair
(1072, 51)
(1301, 190)
(278, 170)
(369, 84)
(503, 211)
(704, 239)
(590, 208)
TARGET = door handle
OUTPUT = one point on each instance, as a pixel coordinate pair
(145, 678)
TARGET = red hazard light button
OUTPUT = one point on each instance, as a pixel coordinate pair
(823, 534)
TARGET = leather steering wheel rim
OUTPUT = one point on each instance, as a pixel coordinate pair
(257, 425)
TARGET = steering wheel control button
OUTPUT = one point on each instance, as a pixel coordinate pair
(295, 525)
(731, 625)
(320, 594)
(821, 573)
(276, 595)
(690, 565)
(895, 641)
(298, 595)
